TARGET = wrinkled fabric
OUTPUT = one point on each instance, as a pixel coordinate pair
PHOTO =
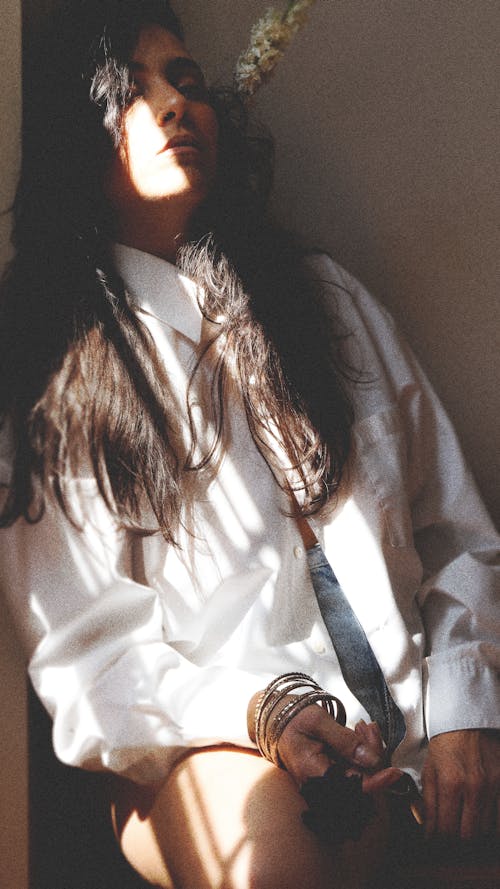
(140, 650)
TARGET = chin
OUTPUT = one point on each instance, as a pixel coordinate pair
(182, 182)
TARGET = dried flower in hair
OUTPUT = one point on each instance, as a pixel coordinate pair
(269, 38)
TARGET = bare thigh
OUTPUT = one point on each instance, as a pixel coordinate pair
(227, 819)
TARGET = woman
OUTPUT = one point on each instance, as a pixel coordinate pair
(201, 405)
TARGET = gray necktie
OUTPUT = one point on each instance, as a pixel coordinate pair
(358, 663)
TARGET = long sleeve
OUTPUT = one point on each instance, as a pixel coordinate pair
(120, 697)
(460, 593)
(459, 549)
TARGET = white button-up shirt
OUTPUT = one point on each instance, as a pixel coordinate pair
(140, 650)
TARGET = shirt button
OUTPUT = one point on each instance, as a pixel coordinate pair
(298, 552)
(318, 647)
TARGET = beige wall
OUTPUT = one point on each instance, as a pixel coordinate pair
(13, 755)
(387, 122)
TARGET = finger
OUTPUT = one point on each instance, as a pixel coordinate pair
(303, 756)
(429, 794)
(477, 807)
(491, 825)
(315, 723)
(490, 815)
(371, 734)
(307, 765)
(381, 780)
(313, 739)
(362, 747)
(449, 808)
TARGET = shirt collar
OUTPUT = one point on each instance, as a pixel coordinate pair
(158, 288)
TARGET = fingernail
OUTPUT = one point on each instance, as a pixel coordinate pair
(365, 757)
(417, 810)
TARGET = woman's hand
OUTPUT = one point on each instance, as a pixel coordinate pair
(313, 740)
(461, 783)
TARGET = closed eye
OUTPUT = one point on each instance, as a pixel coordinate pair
(194, 90)
(182, 73)
(187, 77)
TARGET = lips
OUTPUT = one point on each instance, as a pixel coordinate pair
(181, 140)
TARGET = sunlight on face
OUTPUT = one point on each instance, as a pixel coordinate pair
(169, 144)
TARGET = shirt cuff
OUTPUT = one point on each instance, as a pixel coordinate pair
(462, 690)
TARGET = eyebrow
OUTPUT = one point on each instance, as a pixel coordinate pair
(173, 67)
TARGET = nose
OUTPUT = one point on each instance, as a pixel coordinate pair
(167, 103)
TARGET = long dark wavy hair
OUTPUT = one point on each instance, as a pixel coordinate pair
(81, 385)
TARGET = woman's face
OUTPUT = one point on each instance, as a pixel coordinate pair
(169, 142)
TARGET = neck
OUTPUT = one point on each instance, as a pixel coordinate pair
(159, 228)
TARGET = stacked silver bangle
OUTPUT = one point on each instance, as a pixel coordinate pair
(294, 691)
